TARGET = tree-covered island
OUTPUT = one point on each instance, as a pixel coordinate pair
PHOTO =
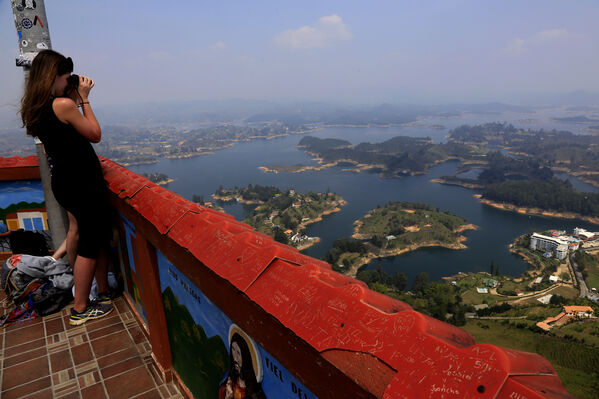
(524, 180)
(284, 215)
(159, 178)
(398, 156)
(246, 195)
(396, 228)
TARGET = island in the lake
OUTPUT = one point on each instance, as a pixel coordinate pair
(283, 215)
(396, 157)
(396, 228)
(158, 178)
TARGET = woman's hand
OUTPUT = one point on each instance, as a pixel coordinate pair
(85, 86)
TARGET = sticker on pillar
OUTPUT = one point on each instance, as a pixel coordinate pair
(20, 34)
(29, 4)
(244, 377)
(36, 20)
(26, 23)
(24, 43)
(42, 46)
(20, 7)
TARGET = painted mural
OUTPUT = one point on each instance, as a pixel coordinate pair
(22, 206)
(214, 357)
(128, 252)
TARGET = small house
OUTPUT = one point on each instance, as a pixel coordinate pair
(538, 280)
(579, 311)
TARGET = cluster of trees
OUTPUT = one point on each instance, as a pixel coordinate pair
(437, 299)
(341, 246)
(550, 147)
(197, 198)
(380, 281)
(554, 195)
(585, 261)
(156, 177)
(398, 155)
(502, 168)
(251, 192)
(440, 299)
(504, 307)
(481, 133)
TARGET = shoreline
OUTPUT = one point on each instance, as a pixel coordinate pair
(470, 186)
(231, 198)
(535, 211)
(165, 182)
(370, 256)
(386, 253)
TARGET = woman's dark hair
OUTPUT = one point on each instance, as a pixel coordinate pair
(253, 388)
(46, 66)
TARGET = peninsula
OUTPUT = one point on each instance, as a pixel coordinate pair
(396, 157)
(396, 228)
(158, 178)
(283, 215)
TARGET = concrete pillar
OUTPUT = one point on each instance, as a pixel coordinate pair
(33, 33)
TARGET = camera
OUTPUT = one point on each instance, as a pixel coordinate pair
(73, 81)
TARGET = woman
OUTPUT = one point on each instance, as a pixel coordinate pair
(60, 115)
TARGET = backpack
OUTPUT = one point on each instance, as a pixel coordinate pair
(11, 279)
(29, 297)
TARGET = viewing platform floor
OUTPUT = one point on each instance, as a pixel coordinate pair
(106, 358)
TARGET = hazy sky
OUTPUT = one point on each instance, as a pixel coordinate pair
(368, 51)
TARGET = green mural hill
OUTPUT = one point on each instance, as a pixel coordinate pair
(200, 361)
(12, 208)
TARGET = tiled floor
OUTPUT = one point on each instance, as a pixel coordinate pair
(105, 358)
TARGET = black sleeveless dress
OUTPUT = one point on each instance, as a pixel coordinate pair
(78, 183)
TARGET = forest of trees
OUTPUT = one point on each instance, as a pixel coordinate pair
(341, 246)
(554, 195)
(255, 192)
(398, 156)
(437, 299)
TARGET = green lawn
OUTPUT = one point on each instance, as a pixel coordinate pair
(593, 278)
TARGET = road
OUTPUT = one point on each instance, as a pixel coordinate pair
(584, 291)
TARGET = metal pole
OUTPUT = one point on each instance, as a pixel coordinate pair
(34, 36)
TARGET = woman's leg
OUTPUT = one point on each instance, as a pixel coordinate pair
(72, 240)
(101, 273)
(83, 274)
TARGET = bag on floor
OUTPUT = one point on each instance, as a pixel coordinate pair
(12, 279)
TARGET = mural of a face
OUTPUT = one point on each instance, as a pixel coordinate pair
(237, 358)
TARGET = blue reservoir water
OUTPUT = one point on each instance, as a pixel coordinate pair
(238, 166)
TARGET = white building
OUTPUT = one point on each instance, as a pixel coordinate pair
(557, 246)
(582, 232)
(538, 280)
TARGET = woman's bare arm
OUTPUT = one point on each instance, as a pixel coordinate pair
(67, 111)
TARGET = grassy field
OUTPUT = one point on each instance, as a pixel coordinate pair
(576, 363)
(593, 278)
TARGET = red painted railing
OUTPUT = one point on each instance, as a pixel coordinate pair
(337, 337)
